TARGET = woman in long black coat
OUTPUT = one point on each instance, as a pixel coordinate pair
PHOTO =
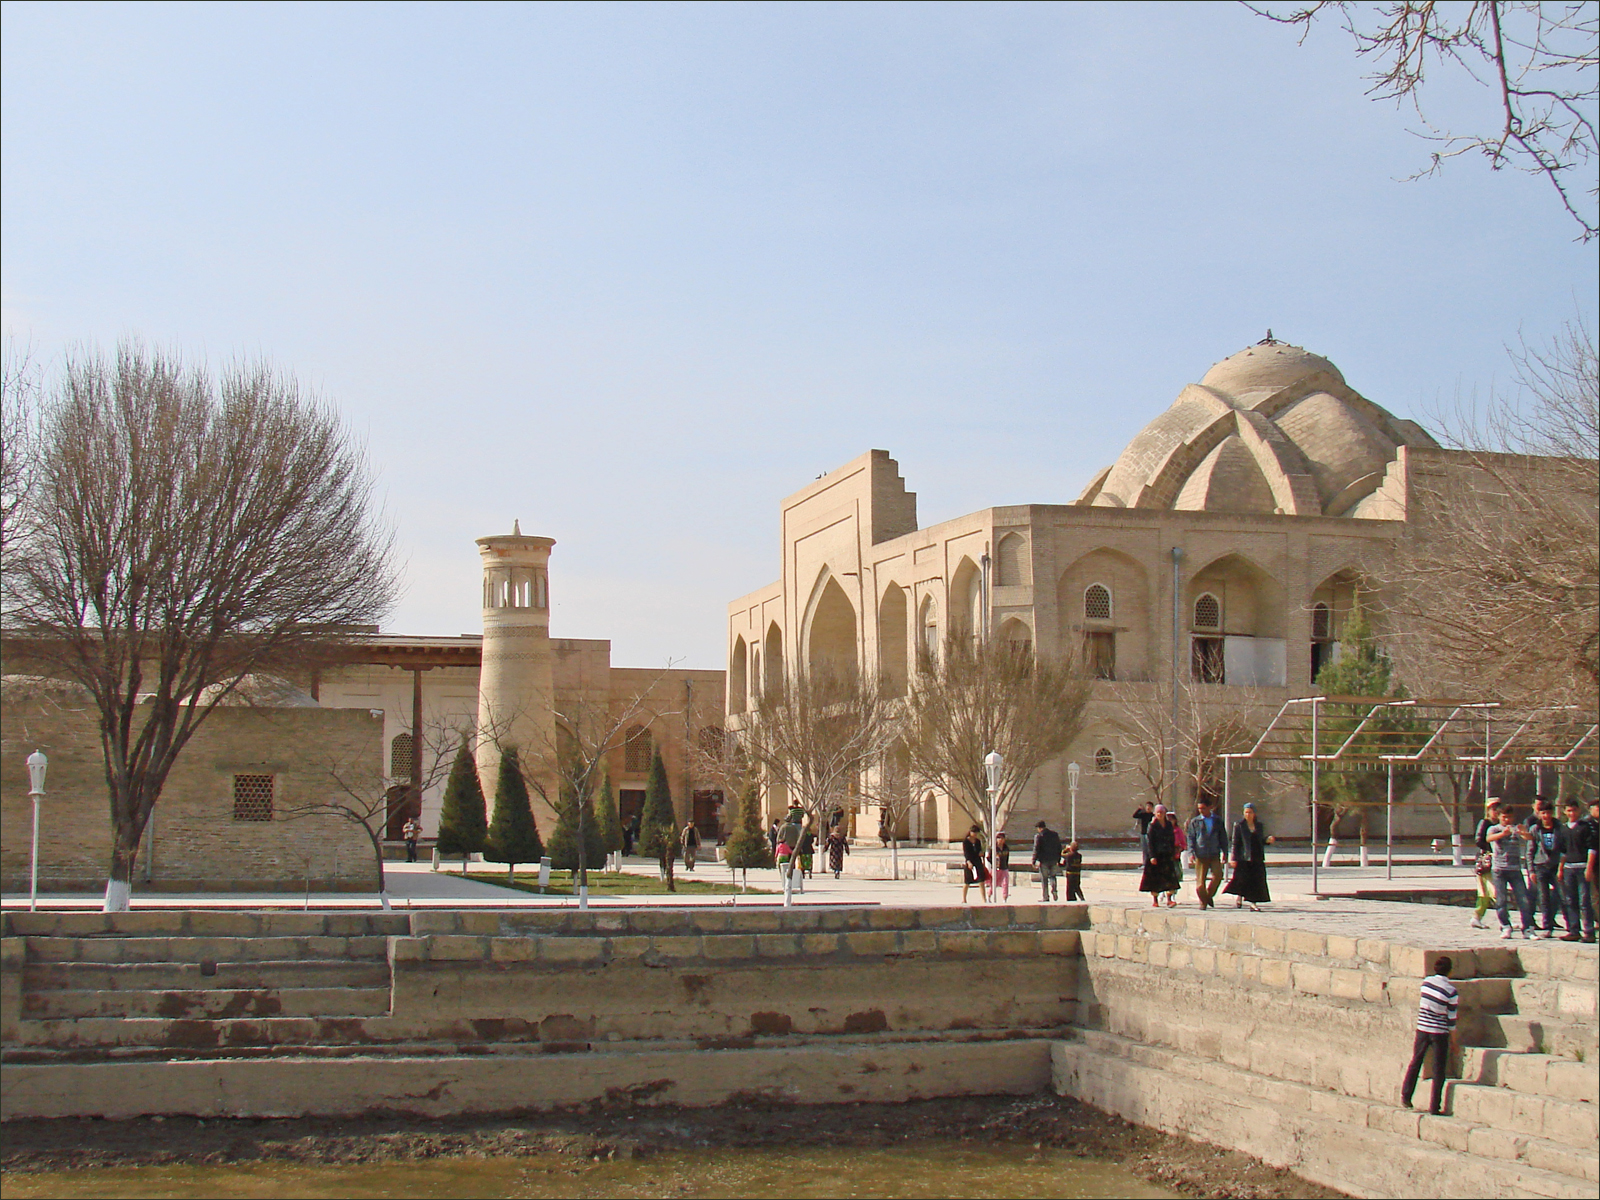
(1160, 858)
(1249, 861)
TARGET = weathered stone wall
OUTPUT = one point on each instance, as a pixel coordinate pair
(198, 845)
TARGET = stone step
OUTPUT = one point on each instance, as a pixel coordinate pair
(1536, 1074)
(198, 949)
(215, 1003)
(1535, 1035)
(1356, 1145)
(1566, 999)
(1570, 1122)
(205, 922)
(187, 976)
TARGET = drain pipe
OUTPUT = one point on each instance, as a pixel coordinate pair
(1177, 621)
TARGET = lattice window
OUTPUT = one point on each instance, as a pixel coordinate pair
(1097, 603)
(1207, 612)
(402, 756)
(1321, 623)
(636, 750)
(1104, 762)
(252, 797)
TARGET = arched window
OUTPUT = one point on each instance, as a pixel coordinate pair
(930, 629)
(541, 589)
(402, 756)
(737, 690)
(1097, 603)
(713, 742)
(636, 750)
(1011, 561)
(1321, 623)
(1207, 612)
(1104, 762)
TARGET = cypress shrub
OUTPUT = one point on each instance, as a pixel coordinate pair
(748, 847)
(608, 819)
(513, 835)
(463, 824)
(563, 848)
(658, 828)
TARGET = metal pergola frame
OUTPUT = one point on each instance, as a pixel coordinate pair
(1429, 731)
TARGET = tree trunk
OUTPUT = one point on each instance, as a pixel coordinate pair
(124, 853)
(383, 877)
(894, 857)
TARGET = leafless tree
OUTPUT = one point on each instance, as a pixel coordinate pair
(816, 734)
(1537, 59)
(19, 407)
(984, 696)
(183, 532)
(888, 786)
(1499, 581)
(1207, 728)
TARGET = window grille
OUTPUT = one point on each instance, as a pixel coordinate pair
(402, 756)
(636, 750)
(1207, 612)
(1321, 623)
(252, 797)
(712, 742)
(1104, 763)
(1097, 603)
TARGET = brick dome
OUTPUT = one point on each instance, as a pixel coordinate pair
(1271, 429)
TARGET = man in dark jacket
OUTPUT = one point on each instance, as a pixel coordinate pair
(1577, 868)
(1208, 842)
(1549, 849)
(1047, 858)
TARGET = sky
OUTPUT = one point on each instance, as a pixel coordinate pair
(630, 274)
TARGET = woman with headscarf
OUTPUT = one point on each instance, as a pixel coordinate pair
(837, 846)
(1249, 862)
(973, 868)
(1160, 858)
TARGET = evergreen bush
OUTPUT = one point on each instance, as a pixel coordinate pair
(748, 847)
(608, 820)
(658, 828)
(513, 835)
(463, 823)
(563, 848)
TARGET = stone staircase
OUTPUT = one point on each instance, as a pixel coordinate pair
(1290, 1044)
(274, 979)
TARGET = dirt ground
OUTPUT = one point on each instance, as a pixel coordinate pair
(1034, 1122)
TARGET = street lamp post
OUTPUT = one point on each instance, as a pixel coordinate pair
(37, 762)
(993, 765)
(1073, 772)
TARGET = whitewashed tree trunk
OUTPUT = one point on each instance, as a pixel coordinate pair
(119, 896)
(1327, 856)
(1455, 849)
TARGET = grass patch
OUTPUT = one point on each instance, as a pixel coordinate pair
(605, 884)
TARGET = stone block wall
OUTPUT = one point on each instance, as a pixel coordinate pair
(197, 843)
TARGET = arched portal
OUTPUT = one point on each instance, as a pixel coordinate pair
(966, 602)
(892, 635)
(831, 638)
(737, 687)
(772, 673)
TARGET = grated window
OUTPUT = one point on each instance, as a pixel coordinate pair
(713, 742)
(1321, 623)
(402, 756)
(252, 797)
(636, 750)
(1097, 603)
(1104, 763)
(1207, 612)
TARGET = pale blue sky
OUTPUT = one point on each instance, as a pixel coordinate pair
(632, 273)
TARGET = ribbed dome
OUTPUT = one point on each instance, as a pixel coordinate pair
(1271, 429)
(1266, 367)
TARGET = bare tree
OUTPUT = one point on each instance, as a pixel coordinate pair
(1498, 581)
(19, 407)
(983, 696)
(1207, 728)
(817, 734)
(1537, 59)
(183, 532)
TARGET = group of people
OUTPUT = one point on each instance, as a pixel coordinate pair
(1541, 863)
(1050, 859)
(1205, 842)
(794, 844)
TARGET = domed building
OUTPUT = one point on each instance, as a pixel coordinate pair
(1211, 565)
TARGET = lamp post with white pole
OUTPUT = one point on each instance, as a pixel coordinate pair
(37, 762)
(993, 765)
(1072, 786)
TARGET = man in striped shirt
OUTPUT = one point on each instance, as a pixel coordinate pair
(1436, 1021)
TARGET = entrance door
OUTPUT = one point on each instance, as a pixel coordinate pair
(708, 814)
(630, 806)
(399, 798)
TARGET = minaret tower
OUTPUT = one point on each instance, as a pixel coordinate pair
(516, 691)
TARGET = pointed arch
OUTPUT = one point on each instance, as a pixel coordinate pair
(772, 674)
(966, 601)
(1011, 565)
(893, 636)
(831, 629)
(1103, 598)
(738, 689)
(928, 629)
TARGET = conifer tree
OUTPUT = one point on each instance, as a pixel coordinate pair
(1362, 669)
(513, 835)
(608, 821)
(563, 848)
(748, 847)
(463, 823)
(658, 828)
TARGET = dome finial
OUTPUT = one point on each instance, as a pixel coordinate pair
(516, 528)
(1269, 340)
